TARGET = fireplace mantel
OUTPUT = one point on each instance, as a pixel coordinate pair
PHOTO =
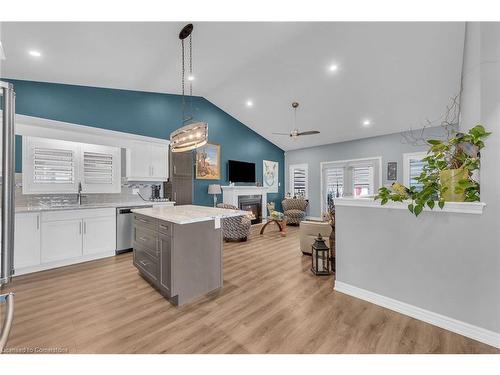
(230, 195)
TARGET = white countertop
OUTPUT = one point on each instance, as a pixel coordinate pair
(454, 207)
(41, 208)
(187, 214)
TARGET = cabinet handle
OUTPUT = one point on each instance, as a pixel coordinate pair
(38, 222)
(80, 227)
(143, 239)
(143, 263)
(175, 170)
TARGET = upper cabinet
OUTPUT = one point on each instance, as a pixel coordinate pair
(147, 161)
(56, 166)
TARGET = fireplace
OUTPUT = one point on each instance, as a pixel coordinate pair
(252, 203)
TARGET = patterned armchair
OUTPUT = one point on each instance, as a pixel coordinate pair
(294, 210)
(235, 228)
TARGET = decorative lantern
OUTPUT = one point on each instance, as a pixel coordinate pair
(320, 257)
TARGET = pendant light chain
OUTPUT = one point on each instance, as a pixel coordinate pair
(182, 80)
(191, 64)
(191, 75)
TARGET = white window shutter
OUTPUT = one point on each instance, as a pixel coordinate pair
(362, 178)
(334, 181)
(49, 166)
(299, 180)
(101, 169)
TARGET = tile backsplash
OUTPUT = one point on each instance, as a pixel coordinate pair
(126, 195)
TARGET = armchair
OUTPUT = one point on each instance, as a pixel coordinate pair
(235, 228)
(294, 210)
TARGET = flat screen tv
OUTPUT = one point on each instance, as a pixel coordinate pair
(240, 171)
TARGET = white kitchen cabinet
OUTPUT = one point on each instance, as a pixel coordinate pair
(73, 236)
(147, 161)
(27, 240)
(61, 240)
(159, 165)
(99, 234)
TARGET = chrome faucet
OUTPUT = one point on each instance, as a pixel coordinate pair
(79, 196)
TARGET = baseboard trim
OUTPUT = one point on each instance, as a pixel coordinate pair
(63, 263)
(465, 329)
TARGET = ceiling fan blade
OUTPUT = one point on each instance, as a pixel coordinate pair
(309, 132)
(282, 134)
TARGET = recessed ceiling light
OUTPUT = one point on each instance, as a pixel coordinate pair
(366, 123)
(249, 103)
(190, 77)
(35, 53)
(333, 68)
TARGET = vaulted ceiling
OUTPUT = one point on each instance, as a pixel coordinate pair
(394, 75)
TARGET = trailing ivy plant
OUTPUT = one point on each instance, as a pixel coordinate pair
(460, 151)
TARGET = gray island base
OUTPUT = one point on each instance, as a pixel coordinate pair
(178, 249)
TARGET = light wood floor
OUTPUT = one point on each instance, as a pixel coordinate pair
(270, 303)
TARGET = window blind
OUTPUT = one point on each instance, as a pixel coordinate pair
(97, 168)
(416, 167)
(54, 166)
(362, 178)
(299, 180)
(334, 178)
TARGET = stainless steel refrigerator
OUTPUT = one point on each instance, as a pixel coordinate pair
(7, 105)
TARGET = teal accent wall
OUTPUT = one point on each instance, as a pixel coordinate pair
(150, 114)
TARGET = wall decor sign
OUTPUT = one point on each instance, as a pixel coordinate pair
(208, 162)
(270, 176)
(392, 171)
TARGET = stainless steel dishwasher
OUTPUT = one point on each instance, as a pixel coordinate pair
(125, 228)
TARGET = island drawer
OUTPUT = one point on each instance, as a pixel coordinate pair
(144, 237)
(164, 227)
(146, 221)
(146, 263)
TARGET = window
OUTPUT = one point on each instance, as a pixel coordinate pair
(97, 168)
(299, 180)
(358, 178)
(412, 168)
(49, 166)
(334, 184)
(101, 169)
(55, 166)
(362, 179)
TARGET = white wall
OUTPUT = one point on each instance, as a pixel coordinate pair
(391, 147)
(446, 263)
(1, 50)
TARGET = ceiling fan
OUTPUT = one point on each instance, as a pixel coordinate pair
(295, 132)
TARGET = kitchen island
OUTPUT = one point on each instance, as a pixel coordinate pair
(178, 249)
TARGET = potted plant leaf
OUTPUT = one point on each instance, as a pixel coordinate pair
(447, 175)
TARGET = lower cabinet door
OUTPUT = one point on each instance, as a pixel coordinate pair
(99, 235)
(166, 263)
(27, 240)
(61, 240)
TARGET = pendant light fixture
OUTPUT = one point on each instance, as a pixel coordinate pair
(192, 134)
